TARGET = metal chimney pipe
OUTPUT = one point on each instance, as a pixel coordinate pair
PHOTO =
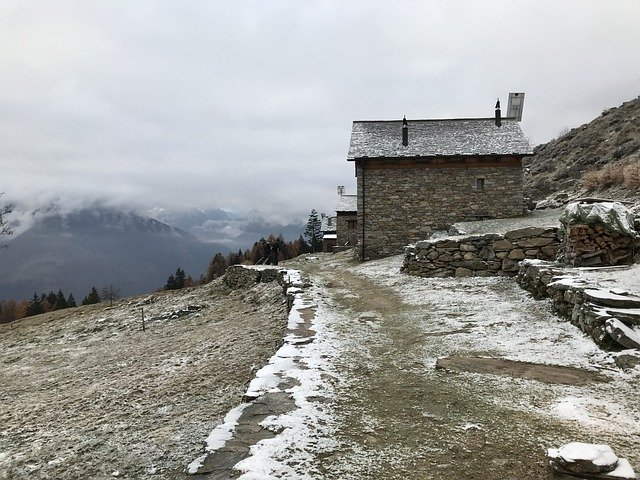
(405, 132)
(498, 114)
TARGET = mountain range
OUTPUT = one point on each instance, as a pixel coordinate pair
(74, 249)
(98, 246)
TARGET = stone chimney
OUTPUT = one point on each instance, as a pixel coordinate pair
(498, 114)
(405, 132)
(340, 190)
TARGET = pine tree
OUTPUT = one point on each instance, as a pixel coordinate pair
(34, 307)
(92, 298)
(171, 283)
(313, 233)
(180, 278)
(71, 301)
(61, 302)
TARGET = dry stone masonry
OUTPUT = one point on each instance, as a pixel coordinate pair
(610, 317)
(481, 255)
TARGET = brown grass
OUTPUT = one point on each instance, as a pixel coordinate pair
(613, 175)
(632, 175)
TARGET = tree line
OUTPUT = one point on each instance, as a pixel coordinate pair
(11, 310)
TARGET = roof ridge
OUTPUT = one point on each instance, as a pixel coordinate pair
(433, 120)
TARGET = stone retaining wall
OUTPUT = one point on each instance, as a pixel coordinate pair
(586, 306)
(244, 276)
(481, 255)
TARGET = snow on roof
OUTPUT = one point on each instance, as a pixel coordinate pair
(428, 138)
(347, 203)
(329, 236)
(328, 224)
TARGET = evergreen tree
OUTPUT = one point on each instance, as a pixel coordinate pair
(52, 301)
(171, 283)
(71, 301)
(313, 233)
(34, 307)
(61, 302)
(92, 298)
(180, 277)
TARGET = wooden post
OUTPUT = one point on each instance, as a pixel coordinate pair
(142, 318)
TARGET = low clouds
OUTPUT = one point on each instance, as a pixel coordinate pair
(248, 104)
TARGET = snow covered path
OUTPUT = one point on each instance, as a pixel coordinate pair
(389, 413)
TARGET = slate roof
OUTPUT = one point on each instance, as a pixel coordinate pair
(347, 203)
(328, 224)
(429, 138)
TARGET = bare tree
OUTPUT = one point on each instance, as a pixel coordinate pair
(5, 228)
(110, 293)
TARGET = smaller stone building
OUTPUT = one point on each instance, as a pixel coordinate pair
(329, 236)
(347, 220)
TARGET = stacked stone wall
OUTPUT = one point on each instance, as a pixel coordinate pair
(589, 307)
(404, 203)
(596, 245)
(481, 255)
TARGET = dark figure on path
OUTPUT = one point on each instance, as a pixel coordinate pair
(273, 258)
(267, 254)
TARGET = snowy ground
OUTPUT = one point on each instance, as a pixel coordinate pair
(388, 413)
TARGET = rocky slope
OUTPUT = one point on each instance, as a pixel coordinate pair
(612, 139)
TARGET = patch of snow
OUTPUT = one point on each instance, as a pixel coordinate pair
(590, 412)
(219, 436)
(598, 454)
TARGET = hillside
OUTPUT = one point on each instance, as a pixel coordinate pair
(606, 144)
(86, 393)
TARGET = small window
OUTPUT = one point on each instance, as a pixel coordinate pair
(480, 184)
(351, 223)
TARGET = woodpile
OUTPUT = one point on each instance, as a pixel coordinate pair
(596, 245)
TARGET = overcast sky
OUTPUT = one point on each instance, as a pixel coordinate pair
(249, 104)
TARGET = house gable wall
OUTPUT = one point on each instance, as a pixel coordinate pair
(404, 199)
(347, 235)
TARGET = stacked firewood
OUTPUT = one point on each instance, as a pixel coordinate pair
(596, 245)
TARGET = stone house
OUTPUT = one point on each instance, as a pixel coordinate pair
(419, 175)
(347, 220)
(328, 230)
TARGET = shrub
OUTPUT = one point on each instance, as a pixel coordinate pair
(631, 173)
(608, 176)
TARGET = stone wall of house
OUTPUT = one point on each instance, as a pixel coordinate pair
(346, 236)
(596, 245)
(481, 255)
(404, 202)
(611, 318)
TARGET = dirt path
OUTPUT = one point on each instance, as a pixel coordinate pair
(396, 416)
